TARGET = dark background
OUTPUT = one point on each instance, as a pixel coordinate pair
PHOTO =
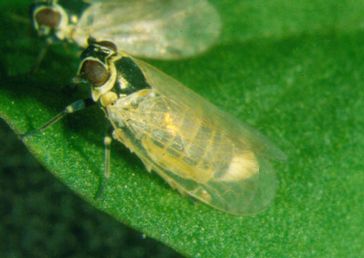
(41, 217)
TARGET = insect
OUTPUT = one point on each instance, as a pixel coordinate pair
(196, 148)
(160, 29)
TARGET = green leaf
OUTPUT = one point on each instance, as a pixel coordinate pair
(293, 70)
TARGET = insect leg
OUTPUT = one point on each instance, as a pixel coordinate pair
(107, 153)
(72, 108)
(107, 144)
(41, 55)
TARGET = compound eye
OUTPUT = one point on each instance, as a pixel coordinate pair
(48, 17)
(94, 72)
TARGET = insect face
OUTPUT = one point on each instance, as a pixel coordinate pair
(107, 69)
(98, 69)
(48, 18)
(95, 72)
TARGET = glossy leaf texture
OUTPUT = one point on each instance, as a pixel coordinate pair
(292, 70)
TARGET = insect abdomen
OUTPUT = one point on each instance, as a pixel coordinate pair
(184, 142)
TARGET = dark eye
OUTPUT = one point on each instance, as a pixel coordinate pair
(94, 72)
(48, 17)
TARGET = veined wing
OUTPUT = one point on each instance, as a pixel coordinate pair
(238, 130)
(161, 29)
(203, 152)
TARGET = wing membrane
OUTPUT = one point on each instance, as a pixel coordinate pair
(244, 197)
(239, 131)
(233, 172)
(162, 29)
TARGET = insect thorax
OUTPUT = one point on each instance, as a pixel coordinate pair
(129, 79)
(111, 75)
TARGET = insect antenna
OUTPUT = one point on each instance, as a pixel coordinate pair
(72, 108)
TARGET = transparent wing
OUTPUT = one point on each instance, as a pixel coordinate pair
(161, 29)
(199, 150)
(241, 197)
(237, 130)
